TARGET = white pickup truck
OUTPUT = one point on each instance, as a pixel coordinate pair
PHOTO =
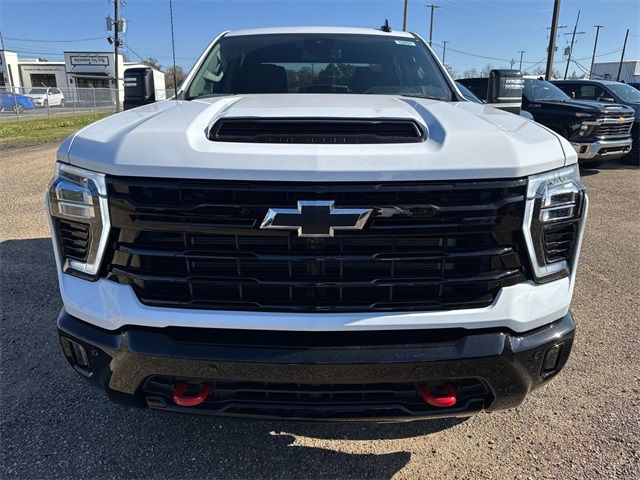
(319, 226)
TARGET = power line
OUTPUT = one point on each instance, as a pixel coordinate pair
(54, 41)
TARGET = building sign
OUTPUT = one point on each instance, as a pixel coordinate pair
(96, 60)
(42, 68)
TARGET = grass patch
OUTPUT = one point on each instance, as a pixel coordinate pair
(33, 132)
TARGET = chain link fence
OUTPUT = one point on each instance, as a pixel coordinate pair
(49, 102)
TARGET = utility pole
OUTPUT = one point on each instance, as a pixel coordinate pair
(573, 37)
(1, 41)
(444, 49)
(624, 47)
(595, 44)
(404, 18)
(433, 8)
(118, 26)
(521, 52)
(512, 61)
(552, 39)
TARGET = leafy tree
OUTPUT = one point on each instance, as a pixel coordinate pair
(152, 62)
(168, 76)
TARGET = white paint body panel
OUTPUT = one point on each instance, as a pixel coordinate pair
(168, 139)
(466, 141)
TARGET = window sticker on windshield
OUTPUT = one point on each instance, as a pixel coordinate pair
(407, 43)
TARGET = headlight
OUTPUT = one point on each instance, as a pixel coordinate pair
(554, 219)
(77, 201)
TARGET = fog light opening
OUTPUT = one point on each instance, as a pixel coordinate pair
(77, 355)
(551, 360)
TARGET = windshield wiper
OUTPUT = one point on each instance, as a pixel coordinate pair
(209, 95)
(420, 95)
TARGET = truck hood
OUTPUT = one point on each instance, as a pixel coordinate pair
(590, 106)
(169, 139)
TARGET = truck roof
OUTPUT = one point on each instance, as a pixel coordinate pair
(340, 30)
(586, 80)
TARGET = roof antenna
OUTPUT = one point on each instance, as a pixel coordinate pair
(173, 51)
(385, 27)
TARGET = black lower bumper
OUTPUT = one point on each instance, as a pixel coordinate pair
(324, 375)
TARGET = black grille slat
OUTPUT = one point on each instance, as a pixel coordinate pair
(74, 238)
(315, 131)
(441, 245)
(559, 241)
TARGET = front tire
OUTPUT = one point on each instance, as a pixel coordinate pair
(62, 103)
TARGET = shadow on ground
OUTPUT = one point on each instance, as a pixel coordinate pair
(55, 425)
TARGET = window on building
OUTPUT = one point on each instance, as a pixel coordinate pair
(43, 80)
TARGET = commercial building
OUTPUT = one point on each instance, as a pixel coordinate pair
(630, 71)
(78, 71)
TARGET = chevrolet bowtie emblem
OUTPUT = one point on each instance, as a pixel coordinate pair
(316, 218)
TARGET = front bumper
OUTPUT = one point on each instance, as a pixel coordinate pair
(602, 149)
(319, 375)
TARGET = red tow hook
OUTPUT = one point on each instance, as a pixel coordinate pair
(179, 398)
(447, 400)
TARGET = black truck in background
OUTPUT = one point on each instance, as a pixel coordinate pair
(598, 131)
(608, 91)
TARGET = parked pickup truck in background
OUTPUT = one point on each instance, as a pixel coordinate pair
(319, 226)
(609, 92)
(598, 131)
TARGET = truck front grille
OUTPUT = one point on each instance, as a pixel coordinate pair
(427, 246)
(615, 129)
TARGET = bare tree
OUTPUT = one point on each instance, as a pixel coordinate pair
(451, 71)
(470, 73)
(487, 70)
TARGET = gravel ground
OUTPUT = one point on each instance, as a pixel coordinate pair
(585, 424)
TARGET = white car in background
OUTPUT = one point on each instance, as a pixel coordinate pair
(43, 96)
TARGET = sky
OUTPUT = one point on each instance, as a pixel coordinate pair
(473, 28)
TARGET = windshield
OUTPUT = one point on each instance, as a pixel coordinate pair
(541, 90)
(626, 92)
(38, 91)
(320, 63)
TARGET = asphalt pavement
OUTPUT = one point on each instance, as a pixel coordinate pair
(584, 424)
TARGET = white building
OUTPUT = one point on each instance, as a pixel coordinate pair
(78, 71)
(630, 71)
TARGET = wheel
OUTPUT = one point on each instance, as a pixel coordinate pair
(62, 103)
(18, 108)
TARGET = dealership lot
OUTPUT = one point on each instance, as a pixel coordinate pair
(584, 424)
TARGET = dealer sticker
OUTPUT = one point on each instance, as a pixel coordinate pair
(407, 43)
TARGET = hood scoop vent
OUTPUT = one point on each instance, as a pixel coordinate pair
(316, 130)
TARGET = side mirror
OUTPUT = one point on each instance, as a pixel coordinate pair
(573, 95)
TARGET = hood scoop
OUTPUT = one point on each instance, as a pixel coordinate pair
(312, 130)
